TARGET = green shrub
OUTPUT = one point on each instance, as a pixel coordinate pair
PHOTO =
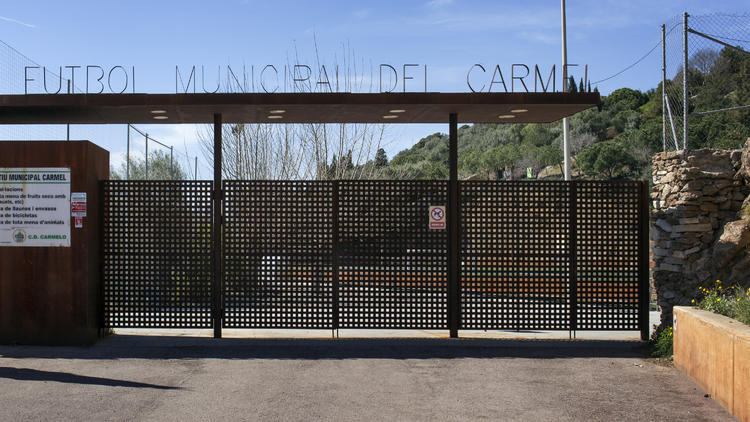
(662, 343)
(733, 301)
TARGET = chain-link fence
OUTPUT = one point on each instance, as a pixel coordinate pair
(715, 49)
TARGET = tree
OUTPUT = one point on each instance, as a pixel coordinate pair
(572, 84)
(301, 151)
(381, 160)
(606, 160)
(160, 167)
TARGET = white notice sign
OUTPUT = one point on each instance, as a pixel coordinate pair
(34, 206)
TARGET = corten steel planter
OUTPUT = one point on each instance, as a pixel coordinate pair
(714, 351)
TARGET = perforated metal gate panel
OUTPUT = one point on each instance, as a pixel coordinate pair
(278, 254)
(392, 266)
(607, 245)
(157, 254)
(515, 255)
(550, 255)
(361, 254)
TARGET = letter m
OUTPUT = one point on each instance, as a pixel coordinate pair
(178, 79)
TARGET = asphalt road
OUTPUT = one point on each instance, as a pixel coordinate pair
(127, 377)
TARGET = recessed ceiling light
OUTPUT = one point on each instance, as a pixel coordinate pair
(277, 111)
(158, 111)
(519, 110)
(275, 117)
(506, 116)
(161, 117)
(397, 111)
(390, 116)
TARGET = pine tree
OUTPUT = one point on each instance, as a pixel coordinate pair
(381, 160)
(580, 86)
(572, 84)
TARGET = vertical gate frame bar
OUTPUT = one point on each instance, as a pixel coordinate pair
(643, 259)
(335, 255)
(454, 234)
(572, 275)
(216, 229)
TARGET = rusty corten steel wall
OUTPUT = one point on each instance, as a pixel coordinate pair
(50, 295)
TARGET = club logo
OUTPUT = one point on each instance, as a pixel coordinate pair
(19, 236)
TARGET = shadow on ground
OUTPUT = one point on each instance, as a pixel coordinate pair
(165, 347)
(23, 374)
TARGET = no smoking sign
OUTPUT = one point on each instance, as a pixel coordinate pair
(437, 217)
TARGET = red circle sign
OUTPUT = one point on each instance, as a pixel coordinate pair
(437, 214)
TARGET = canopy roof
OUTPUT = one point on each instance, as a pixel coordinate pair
(430, 107)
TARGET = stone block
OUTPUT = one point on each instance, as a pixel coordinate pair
(674, 261)
(682, 228)
(670, 267)
(691, 220)
(664, 225)
(659, 252)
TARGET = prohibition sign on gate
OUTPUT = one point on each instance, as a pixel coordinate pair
(437, 217)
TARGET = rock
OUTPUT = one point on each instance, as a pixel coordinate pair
(670, 268)
(681, 228)
(664, 225)
(693, 220)
(745, 167)
(734, 237)
(659, 252)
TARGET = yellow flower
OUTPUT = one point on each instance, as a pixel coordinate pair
(693, 301)
(718, 299)
(738, 299)
(718, 281)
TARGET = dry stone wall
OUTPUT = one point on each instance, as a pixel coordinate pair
(699, 231)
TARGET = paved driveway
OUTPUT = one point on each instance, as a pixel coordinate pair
(129, 377)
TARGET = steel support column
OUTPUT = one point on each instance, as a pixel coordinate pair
(454, 233)
(216, 277)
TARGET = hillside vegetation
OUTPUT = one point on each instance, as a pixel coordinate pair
(614, 140)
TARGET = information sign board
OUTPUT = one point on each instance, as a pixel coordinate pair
(35, 207)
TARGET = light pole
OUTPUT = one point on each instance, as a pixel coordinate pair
(566, 124)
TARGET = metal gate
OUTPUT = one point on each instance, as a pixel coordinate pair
(360, 254)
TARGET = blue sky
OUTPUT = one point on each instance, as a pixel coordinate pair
(446, 35)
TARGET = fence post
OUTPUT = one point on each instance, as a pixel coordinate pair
(572, 274)
(216, 275)
(643, 259)
(454, 233)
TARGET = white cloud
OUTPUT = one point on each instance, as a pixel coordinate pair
(28, 25)
(438, 3)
